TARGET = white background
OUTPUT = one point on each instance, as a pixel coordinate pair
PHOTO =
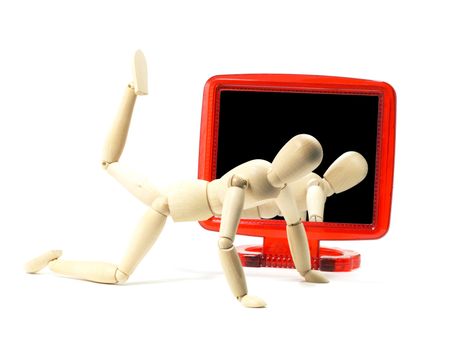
(63, 67)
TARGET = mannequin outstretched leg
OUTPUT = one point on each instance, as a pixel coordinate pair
(143, 239)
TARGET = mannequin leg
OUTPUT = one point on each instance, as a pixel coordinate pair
(143, 239)
(116, 138)
(136, 184)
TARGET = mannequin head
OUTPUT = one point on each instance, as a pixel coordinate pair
(346, 171)
(298, 157)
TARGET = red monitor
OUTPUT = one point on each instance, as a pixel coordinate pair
(252, 116)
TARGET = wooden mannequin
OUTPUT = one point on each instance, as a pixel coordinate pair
(252, 186)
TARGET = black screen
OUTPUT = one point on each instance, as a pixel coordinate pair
(255, 125)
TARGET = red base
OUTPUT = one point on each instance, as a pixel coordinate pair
(328, 259)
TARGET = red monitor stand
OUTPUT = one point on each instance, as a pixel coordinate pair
(275, 253)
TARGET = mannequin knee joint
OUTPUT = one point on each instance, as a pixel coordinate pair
(225, 243)
(120, 276)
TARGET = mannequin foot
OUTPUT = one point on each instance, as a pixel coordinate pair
(251, 301)
(37, 264)
(140, 73)
(315, 277)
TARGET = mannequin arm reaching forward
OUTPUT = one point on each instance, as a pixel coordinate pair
(297, 237)
(231, 214)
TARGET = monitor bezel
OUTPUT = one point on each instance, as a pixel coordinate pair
(385, 148)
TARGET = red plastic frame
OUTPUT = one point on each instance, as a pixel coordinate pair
(274, 231)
